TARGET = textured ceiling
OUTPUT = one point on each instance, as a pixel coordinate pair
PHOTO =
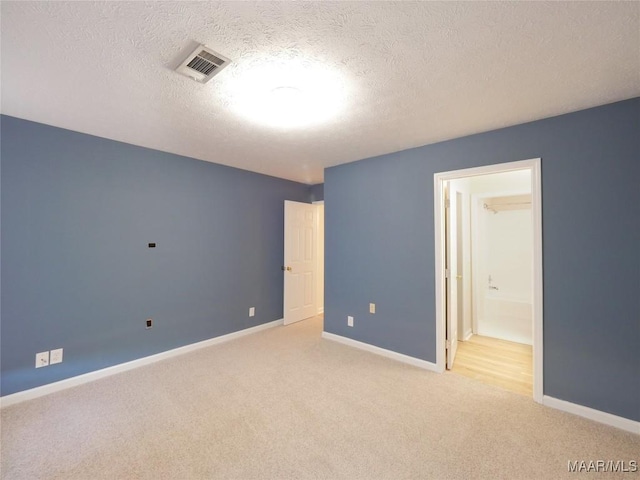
(413, 73)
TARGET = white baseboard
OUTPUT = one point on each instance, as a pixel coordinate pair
(582, 411)
(123, 367)
(416, 362)
(592, 414)
(467, 335)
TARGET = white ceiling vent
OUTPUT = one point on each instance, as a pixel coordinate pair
(202, 64)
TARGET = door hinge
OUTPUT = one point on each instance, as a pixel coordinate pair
(446, 273)
(447, 203)
(448, 344)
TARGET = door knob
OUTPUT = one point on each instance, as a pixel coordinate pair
(288, 269)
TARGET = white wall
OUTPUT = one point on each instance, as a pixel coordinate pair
(506, 182)
(507, 246)
(502, 246)
(509, 252)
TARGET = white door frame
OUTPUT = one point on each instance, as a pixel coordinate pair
(533, 165)
(320, 262)
(451, 264)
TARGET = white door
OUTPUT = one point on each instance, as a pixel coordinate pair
(300, 250)
(320, 263)
(451, 220)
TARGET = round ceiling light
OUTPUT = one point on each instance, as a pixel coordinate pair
(288, 94)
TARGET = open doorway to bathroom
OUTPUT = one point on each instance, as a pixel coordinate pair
(489, 274)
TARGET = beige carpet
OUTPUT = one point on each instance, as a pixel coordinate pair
(286, 404)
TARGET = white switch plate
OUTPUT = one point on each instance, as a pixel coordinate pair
(350, 321)
(42, 359)
(372, 308)
(56, 356)
(252, 311)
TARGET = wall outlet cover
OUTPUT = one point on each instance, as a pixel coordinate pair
(252, 311)
(372, 308)
(42, 359)
(55, 356)
(350, 321)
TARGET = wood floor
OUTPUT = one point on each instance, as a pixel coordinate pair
(496, 362)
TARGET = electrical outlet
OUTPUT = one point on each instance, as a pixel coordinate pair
(252, 311)
(372, 308)
(149, 323)
(55, 356)
(350, 321)
(42, 359)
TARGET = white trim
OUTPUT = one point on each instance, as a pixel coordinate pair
(123, 367)
(475, 285)
(536, 210)
(439, 241)
(416, 362)
(593, 414)
(538, 289)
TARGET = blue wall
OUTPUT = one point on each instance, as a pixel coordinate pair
(317, 192)
(379, 247)
(77, 214)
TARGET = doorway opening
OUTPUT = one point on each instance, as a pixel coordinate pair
(488, 246)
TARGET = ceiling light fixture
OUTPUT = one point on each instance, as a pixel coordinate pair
(287, 93)
(285, 106)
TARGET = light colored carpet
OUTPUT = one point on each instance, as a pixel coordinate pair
(286, 404)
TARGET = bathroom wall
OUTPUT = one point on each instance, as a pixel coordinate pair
(504, 270)
(479, 187)
(502, 247)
